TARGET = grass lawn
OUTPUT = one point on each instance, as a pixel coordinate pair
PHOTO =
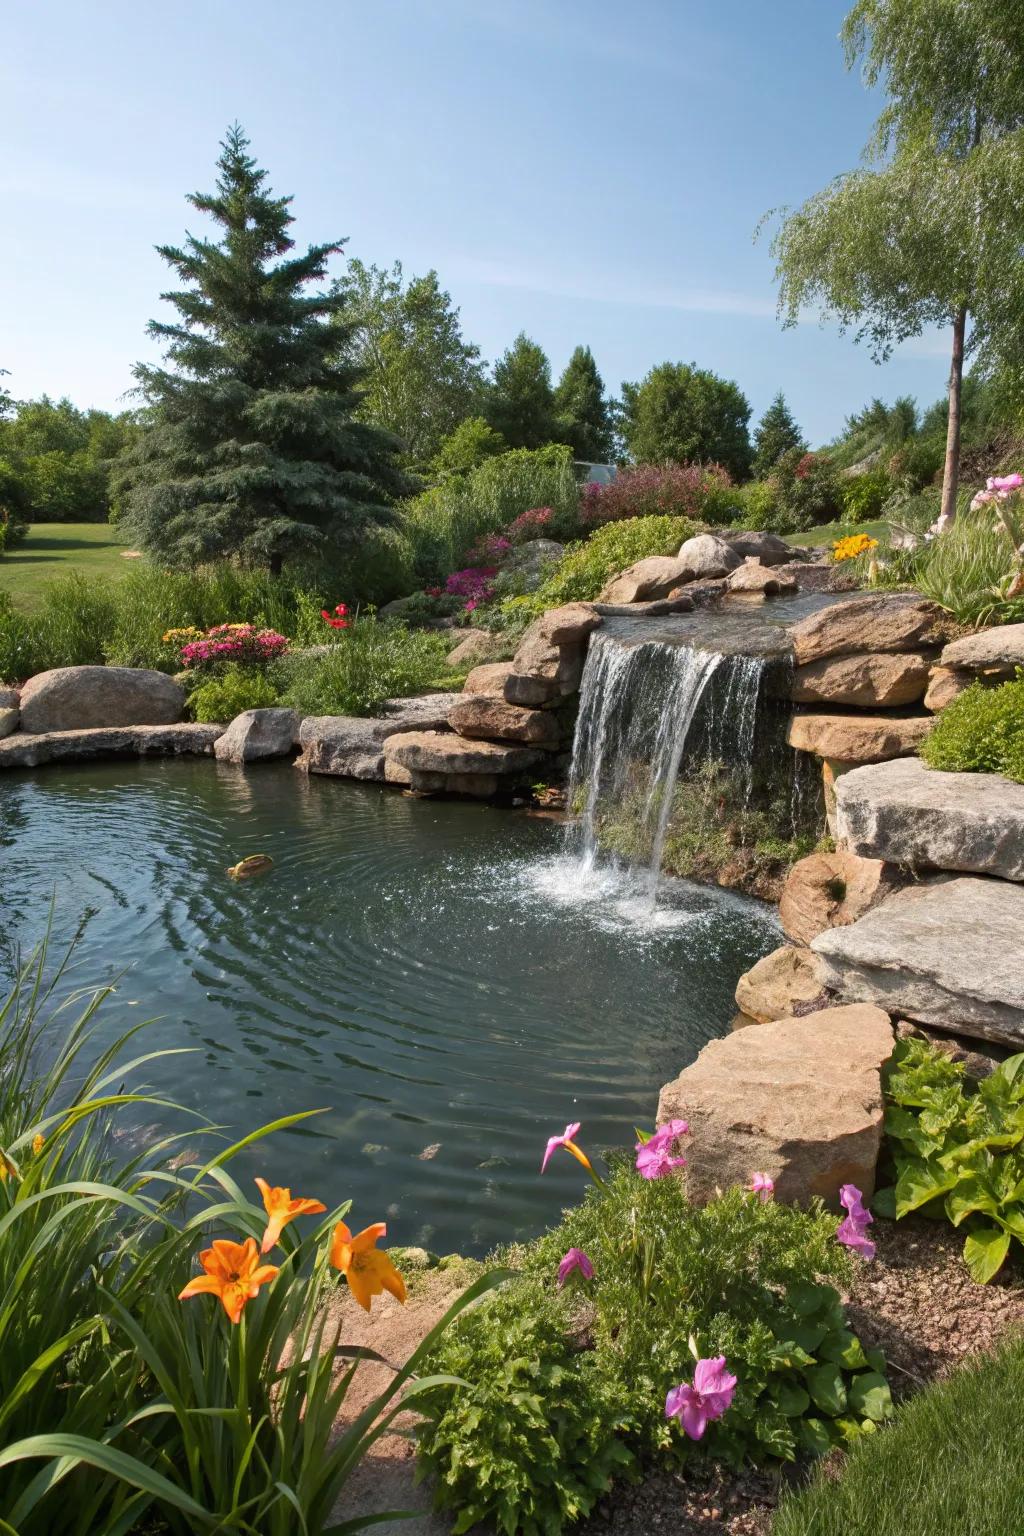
(951, 1465)
(828, 532)
(53, 549)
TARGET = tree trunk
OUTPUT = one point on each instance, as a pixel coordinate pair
(951, 470)
(276, 564)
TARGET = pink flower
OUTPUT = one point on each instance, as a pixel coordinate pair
(709, 1397)
(1005, 482)
(852, 1230)
(762, 1184)
(568, 1141)
(654, 1158)
(575, 1259)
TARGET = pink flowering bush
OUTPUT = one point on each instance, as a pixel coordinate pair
(240, 645)
(475, 584)
(489, 549)
(656, 490)
(534, 524)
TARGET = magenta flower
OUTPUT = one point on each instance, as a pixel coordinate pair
(852, 1231)
(654, 1157)
(568, 1141)
(762, 1184)
(1005, 482)
(707, 1399)
(575, 1259)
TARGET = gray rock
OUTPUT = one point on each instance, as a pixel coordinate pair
(656, 609)
(256, 734)
(347, 746)
(706, 557)
(9, 718)
(30, 750)
(9, 698)
(422, 712)
(766, 547)
(651, 578)
(946, 954)
(526, 566)
(896, 621)
(752, 576)
(908, 814)
(999, 649)
(81, 698)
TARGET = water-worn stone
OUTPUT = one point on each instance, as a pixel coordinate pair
(10, 715)
(655, 609)
(798, 1099)
(908, 814)
(476, 645)
(829, 890)
(80, 698)
(895, 622)
(946, 954)
(434, 752)
(10, 698)
(31, 749)
(780, 983)
(565, 625)
(998, 649)
(348, 747)
(493, 719)
(488, 679)
(651, 578)
(877, 679)
(859, 738)
(946, 684)
(752, 576)
(766, 547)
(256, 734)
(707, 557)
(545, 669)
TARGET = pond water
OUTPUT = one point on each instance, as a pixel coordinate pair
(440, 977)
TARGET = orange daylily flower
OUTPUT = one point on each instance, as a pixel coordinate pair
(367, 1270)
(282, 1209)
(233, 1272)
(37, 1143)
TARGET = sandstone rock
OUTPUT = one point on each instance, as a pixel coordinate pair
(658, 608)
(348, 747)
(707, 557)
(780, 983)
(9, 718)
(477, 645)
(878, 679)
(29, 749)
(702, 594)
(480, 715)
(545, 670)
(817, 576)
(256, 734)
(799, 1099)
(831, 769)
(489, 678)
(565, 625)
(894, 622)
(829, 890)
(946, 954)
(908, 814)
(946, 684)
(80, 698)
(766, 547)
(858, 738)
(999, 649)
(10, 698)
(651, 578)
(752, 576)
(431, 752)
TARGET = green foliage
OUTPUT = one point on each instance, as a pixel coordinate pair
(683, 414)
(568, 1390)
(958, 1148)
(862, 497)
(466, 448)
(982, 731)
(253, 447)
(807, 491)
(587, 567)
(584, 419)
(776, 434)
(233, 691)
(421, 378)
(756, 506)
(372, 661)
(520, 403)
(55, 460)
(966, 568)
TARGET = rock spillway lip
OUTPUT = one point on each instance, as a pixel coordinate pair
(29, 750)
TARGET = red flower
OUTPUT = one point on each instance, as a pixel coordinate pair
(329, 618)
(341, 610)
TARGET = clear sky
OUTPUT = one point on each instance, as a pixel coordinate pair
(583, 170)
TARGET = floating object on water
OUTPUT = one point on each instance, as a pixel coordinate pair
(255, 864)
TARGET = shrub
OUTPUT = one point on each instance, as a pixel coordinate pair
(737, 1277)
(237, 689)
(958, 1148)
(533, 524)
(980, 732)
(862, 497)
(965, 569)
(756, 506)
(654, 490)
(807, 490)
(375, 660)
(586, 568)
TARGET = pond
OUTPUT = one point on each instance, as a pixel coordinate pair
(440, 977)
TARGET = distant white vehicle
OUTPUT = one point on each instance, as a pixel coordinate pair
(594, 474)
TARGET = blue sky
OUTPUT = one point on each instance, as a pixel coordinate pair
(583, 170)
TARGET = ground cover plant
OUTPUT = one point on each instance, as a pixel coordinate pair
(982, 731)
(374, 661)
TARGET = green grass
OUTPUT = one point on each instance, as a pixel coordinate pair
(828, 532)
(952, 1463)
(53, 549)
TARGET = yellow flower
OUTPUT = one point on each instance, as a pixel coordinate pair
(367, 1270)
(37, 1143)
(852, 545)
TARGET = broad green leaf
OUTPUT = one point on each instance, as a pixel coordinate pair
(792, 1400)
(844, 1348)
(985, 1253)
(969, 1198)
(825, 1384)
(868, 1395)
(920, 1183)
(883, 1203)
(127, 1469)
(813, 1436)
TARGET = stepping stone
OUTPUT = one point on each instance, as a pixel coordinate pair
(29, 749)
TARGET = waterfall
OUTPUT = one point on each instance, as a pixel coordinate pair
(644, 709)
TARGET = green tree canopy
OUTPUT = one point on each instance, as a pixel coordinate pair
(584, 419)
(420, 376)
(776, 433)
(59, 458)
(466, 448)
(682, 414)
(255, 450)
(520, 402)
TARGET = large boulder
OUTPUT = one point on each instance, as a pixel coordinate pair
(548, 663)
(829, 890)
(82, 698)
(858, 738)
(476, 645)
(346, 746)
(894, 622)
(908, 814)
(798, 1099)
(752, 576)
(488, 679)
(527, 565)
(651, 578)
(999, 649)
(493, 719)
(707, 557)
(946, 954)
(780, 984)
(10, 713)
(432, 752)
(256, 734)
(767, 547)
(875, 680)
(25, 750)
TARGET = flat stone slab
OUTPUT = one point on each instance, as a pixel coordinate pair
(906, 813)
(947, 954)
(31, 750)
(859, 738)
(897, 622)
(657, 608)
(999, 649)
(352, 747)
(431, 752)
(483, 717)
(876, 680)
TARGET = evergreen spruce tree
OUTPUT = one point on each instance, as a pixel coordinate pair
(254, 451)
(520, 403)
(583, 416)
(775, 435)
